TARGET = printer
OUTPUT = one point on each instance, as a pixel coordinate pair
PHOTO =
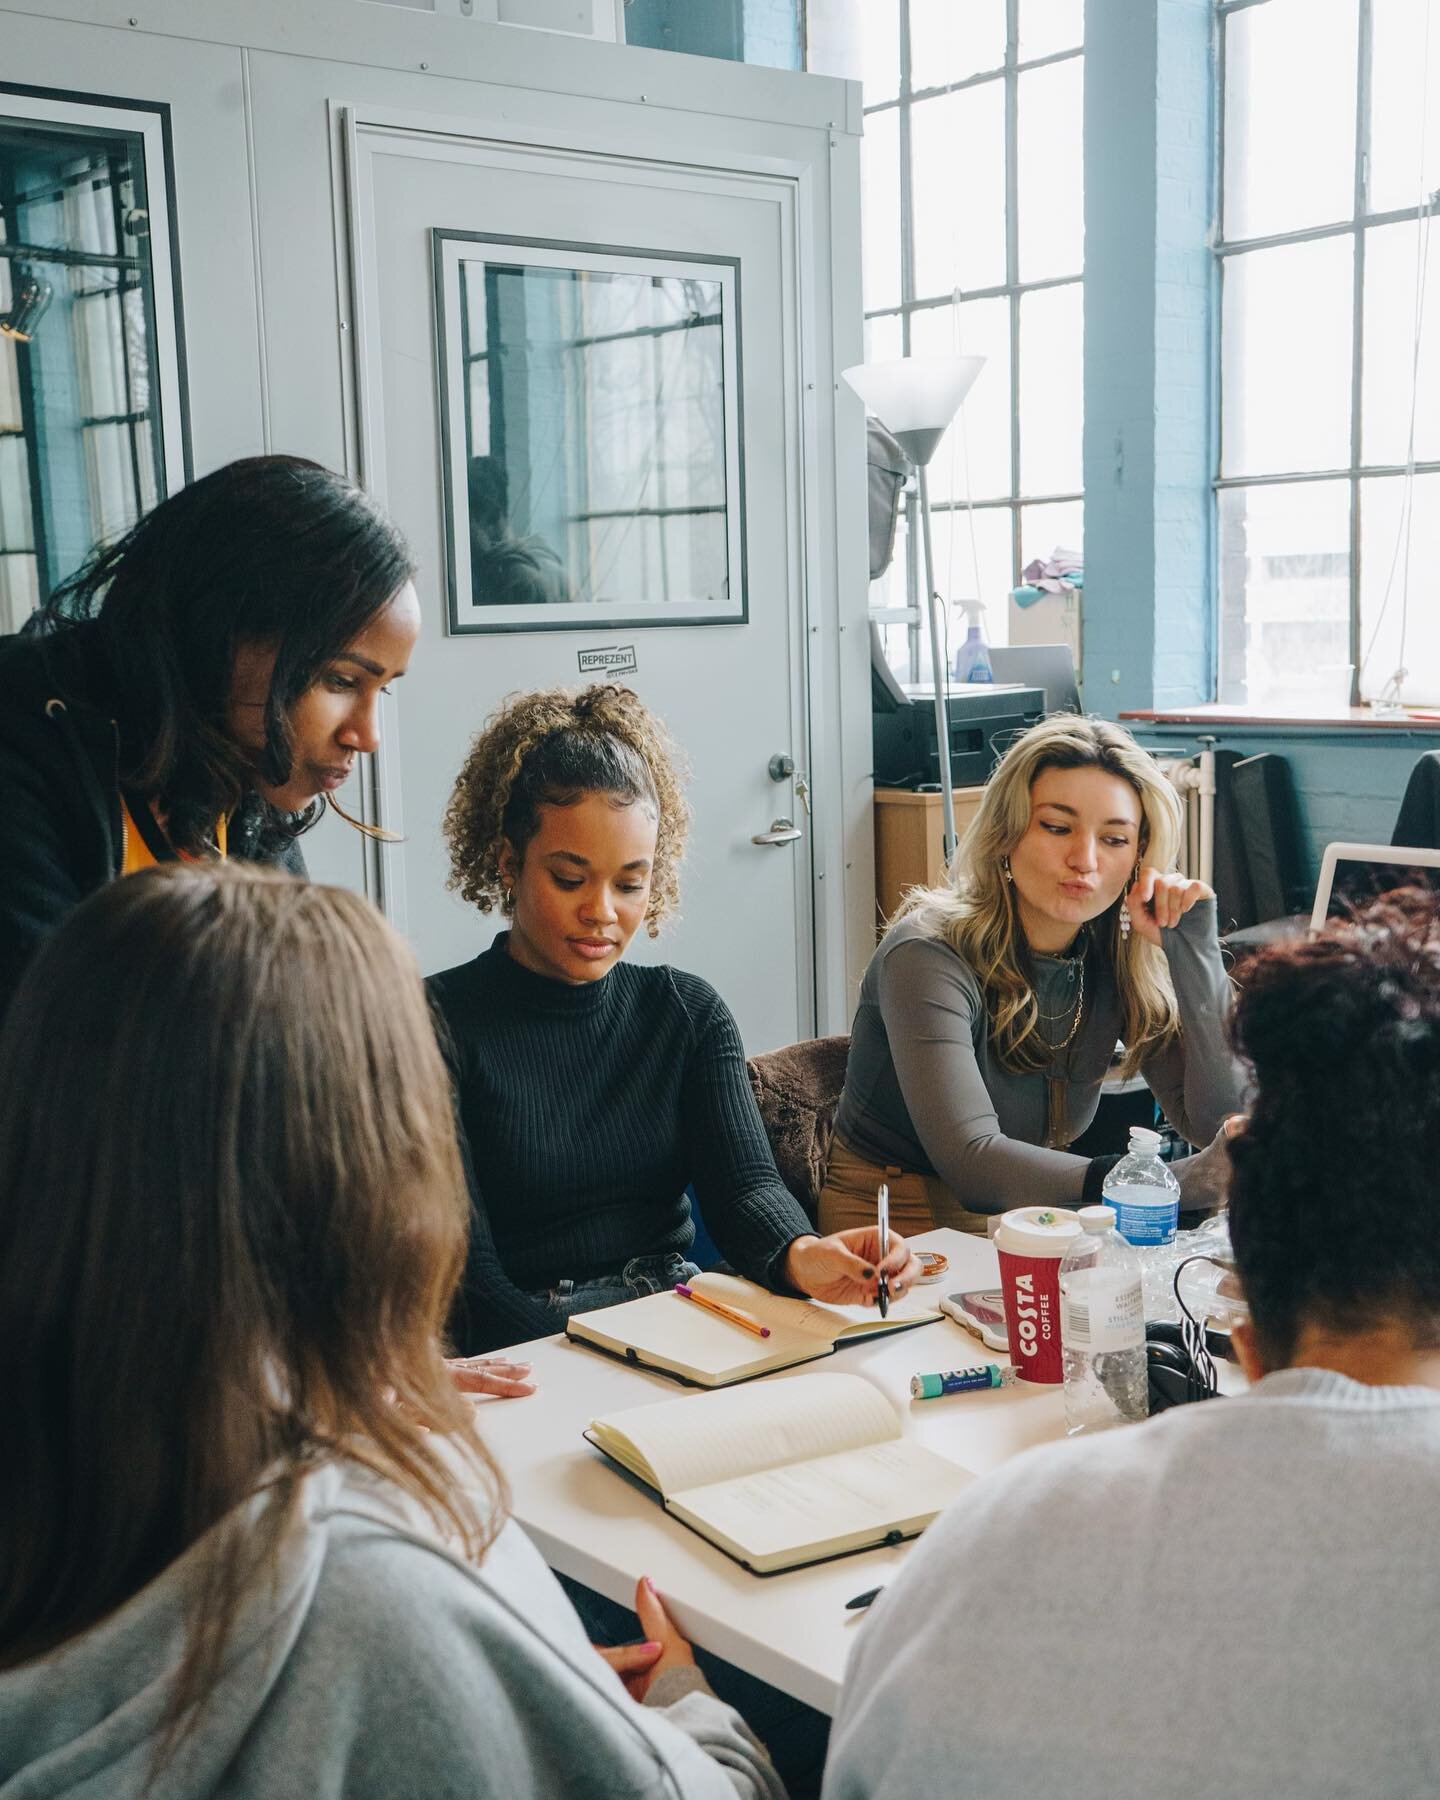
(984, 719)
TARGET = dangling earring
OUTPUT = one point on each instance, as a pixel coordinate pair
(1125, 920)
(1005, 868)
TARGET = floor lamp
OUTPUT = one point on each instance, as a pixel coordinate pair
(915, 399)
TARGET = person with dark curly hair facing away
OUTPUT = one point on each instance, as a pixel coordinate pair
(592, 1091)
(254, 1543)
(202, 687)
(1237, 1597)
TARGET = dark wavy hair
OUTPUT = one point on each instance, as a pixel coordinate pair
(551, 748)
(268, 550)
(1334, 1201)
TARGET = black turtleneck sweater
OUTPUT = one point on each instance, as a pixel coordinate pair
(586, 1110)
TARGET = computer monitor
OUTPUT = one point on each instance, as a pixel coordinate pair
(1352, 874)
(1047, 666)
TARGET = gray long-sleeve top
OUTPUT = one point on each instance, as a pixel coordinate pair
(924, 1089)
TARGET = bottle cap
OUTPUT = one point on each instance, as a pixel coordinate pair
(1144, 1142)
(1097, 1218)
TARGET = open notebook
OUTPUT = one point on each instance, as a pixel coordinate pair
(676, 1337)
(787, 1473)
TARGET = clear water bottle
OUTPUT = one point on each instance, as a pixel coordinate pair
(1102, 1328)
(1145, 1197)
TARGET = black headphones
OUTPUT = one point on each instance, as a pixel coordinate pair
(1176, 1376)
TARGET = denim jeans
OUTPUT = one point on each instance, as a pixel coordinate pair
(641, 1275)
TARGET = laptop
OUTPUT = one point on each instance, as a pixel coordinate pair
(1050, 667)
(1352, 874)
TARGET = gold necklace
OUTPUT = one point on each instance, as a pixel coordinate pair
(1064, 1043)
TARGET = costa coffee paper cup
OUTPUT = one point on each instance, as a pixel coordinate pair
(1032, 1241)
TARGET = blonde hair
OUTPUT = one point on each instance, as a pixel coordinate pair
(975, 911)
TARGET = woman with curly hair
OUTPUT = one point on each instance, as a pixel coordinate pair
(592, 1091)
(990, 1012)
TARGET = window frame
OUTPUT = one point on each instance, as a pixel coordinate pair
(1012, 290)
(1357, 228)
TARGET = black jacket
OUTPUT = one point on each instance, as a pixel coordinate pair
(60, 831)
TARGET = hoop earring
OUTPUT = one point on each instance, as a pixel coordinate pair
(1005, 867)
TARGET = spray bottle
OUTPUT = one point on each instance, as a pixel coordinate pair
(972, 659)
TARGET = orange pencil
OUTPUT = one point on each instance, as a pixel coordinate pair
(746, 1321)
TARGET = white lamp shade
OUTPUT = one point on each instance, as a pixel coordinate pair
(917, 393)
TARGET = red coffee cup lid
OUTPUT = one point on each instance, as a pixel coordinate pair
(1037, 1231)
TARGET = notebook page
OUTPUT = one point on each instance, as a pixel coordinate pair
(664, 1326)
(704, 1438)
(814, 1319)
(801, 1508)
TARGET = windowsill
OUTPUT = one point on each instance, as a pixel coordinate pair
(1345, 718)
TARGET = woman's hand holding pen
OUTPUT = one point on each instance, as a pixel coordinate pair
(845, 1268)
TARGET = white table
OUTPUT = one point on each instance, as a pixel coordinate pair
(592, 1523)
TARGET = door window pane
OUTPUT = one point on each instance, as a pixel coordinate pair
(975, 328)
(1048, 26)
(1399, 620)
(1405, 104)
(949, 42)
(880, 209)
(1284, 593)
(1285, 359)
(1392, 375)
(1289, 115)
(1051, 170)
(1051, 390)
(958, 145)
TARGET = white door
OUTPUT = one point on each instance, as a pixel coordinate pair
(733, 694)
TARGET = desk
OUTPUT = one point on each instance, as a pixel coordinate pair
(792, 1630)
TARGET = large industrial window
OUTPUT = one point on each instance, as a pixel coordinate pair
(973, 242)
(89, 400)
(1328, 492)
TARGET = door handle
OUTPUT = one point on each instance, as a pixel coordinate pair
(781, 831)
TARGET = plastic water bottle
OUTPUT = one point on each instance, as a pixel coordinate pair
(1102, 1328)
(1145, 1197)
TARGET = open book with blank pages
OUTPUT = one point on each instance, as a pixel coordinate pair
(788, 1473)
(676, 1337)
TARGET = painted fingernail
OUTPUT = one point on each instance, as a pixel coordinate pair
(650, 1586)
(869, 1274)
(651, 1647)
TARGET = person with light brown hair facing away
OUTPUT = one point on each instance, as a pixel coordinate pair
(990, 1011)
(593, 1091)
(254, 1543)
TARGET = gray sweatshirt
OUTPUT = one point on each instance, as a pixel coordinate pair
(923, 1087)
(378, 1667)
(1235, 1598)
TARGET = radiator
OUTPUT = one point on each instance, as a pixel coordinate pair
(1193, 778)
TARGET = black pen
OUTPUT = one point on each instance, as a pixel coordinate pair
(861, 1601)
(882, 1290)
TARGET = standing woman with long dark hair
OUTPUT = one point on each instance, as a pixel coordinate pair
(201, 687)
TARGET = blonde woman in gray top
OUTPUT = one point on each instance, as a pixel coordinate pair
(990, 1012)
